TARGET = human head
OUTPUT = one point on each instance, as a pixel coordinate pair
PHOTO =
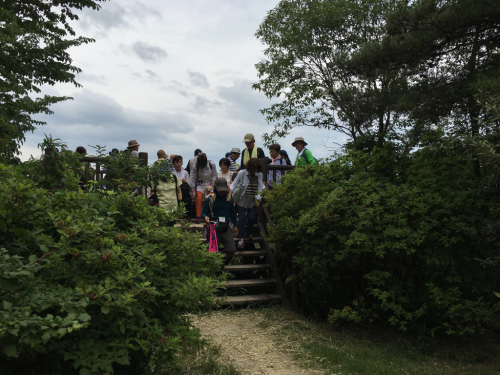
(197, 152)
(220, 186)
(133, 145)
(274, 150)
(253, 166)
(224, 162)
(80, 150)
(249, 141)
(177, 162)
(235, 153)
(202, 161)
(299, 143)
(162, 154)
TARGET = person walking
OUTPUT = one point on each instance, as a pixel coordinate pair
(233, 156)
(168, 193)
(304, 156)
(203, 175)
(185, 187)
(246, 188)
(251, 151)
(192, 162)
(276, 159)
(224, 172)
(219, 207)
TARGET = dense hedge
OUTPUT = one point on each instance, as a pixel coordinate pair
(93, 282)
(394, 238)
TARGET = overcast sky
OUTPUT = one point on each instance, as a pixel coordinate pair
(173, 75)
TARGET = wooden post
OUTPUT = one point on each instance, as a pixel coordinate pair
(97, 171)
(143, 157)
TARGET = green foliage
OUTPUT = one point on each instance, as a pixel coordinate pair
(34, 53)
(392, 238)
(93, 281)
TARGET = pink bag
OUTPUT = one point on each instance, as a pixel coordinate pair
(213, 245)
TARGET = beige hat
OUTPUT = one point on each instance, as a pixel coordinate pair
(299, 139)
(248, 137)
(236, 150)
(132, 143)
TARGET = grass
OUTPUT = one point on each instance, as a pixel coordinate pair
(350, 352)
(205, 361)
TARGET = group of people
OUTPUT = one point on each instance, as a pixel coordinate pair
(228, 195)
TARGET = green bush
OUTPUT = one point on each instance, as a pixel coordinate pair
(393, 238)
(93, 282)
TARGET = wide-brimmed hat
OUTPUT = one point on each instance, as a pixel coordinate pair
(235, 150)
(132, 143)
(248, 137)
(220, 185)
(299, 139)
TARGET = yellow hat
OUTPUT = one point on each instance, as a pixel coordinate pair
(248, 137)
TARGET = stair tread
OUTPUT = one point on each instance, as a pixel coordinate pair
(252, 240)
(248, 283)
(246, 267)
(250, 253)
(256, 298)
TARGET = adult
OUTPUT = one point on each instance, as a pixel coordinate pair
(224, 172)
(192, 162)
(185, 188)
(251, 151)
(220, 205)
(233, 156)
(203, 176)
(133, 147)
(248, 183)
(168, 193)
(276, 159)
(304, 156)
(284, 155)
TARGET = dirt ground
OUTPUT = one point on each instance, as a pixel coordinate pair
(250, 348)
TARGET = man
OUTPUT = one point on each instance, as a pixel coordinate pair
(233, 156)
(192, 162)
(304, 157)
(251, 151)
(133, 147)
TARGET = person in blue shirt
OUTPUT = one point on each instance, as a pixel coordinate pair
(219, 207)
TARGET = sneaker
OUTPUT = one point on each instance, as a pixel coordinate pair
(241, 244)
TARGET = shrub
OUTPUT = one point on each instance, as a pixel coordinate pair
(93, 281)
(392, 238)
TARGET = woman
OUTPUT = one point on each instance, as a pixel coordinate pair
(224, 172)
(182, 175)
(276, 159)
(249, 181)
(203, 175)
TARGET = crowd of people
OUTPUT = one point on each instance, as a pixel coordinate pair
(228, 194)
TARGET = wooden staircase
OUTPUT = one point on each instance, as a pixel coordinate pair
(255, 278)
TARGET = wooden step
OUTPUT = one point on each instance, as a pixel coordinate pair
(250, 253)
(246, 267)
(244, 300)
(252, 240)
(249, 283)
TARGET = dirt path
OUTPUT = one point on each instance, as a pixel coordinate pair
(250, 348)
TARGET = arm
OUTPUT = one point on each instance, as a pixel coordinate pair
(206, 209)
(214, 173)
(179, 194)
(236, 181)
(309, 157)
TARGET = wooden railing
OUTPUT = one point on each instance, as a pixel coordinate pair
(275, 168)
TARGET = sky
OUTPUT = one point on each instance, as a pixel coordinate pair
(172, 75)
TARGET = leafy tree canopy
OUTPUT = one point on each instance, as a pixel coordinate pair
(34, 45)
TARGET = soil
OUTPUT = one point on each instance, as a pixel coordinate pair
(244, 343)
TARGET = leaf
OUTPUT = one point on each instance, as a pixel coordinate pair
(84, 371)
(84, 317)
(113, 208)
(7, 306)
(105, 309)
(46, 337)
(10, 351)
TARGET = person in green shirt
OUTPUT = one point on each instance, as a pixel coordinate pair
(304, 157)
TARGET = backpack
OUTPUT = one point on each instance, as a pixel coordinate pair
(303, 156)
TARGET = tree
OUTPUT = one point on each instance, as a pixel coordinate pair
(309, 47)
(33, 45)
(450, 53)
